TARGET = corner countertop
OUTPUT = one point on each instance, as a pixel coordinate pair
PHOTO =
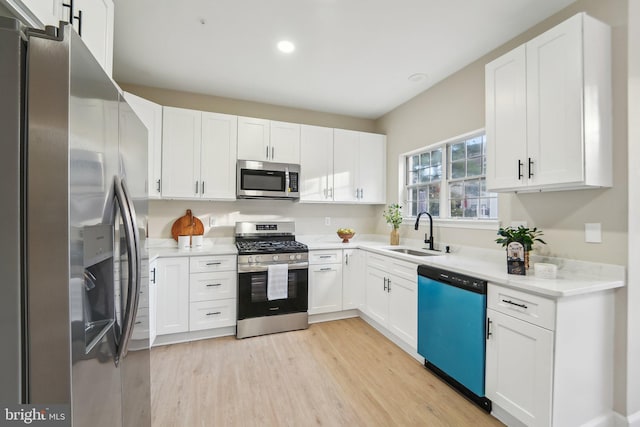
(573, 278)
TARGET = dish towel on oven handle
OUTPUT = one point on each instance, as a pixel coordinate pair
(277, 281)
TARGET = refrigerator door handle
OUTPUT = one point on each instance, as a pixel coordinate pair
(130, 230)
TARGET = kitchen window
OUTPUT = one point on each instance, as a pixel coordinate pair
(448, 180)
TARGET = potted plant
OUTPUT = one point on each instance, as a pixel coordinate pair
(393, 216)
(522, 235)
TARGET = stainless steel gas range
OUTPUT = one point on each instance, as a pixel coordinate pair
(273, 273)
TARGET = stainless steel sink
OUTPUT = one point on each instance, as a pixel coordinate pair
(414, 252)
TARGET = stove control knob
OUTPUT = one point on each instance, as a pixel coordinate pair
(275, 257)
(292, 256)
(257, 258)
(250, 259)
(298, 256)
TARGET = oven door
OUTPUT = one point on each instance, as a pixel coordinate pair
(252, 293)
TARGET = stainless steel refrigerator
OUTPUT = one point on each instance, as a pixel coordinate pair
(73, 162)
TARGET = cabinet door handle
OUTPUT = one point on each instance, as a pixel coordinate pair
(489, 328)
(514, 303)
(388, 285)
(530, 168)
(196, 187)
(158, 183)
(202, 187)
(385, 284)
(209, 285)
(214, 263)
(153, 272)
(267, 153)
(79, 19)
(520, 164)
(214, 313)
(273, 153)
(346, 259)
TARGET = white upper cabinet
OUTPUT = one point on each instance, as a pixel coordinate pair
(316, 164)
(359, 167)
(151, 115)
(95, 26)
(285, 142)
(268, 141)
(198, 154)
(218, 154)
(92, 19)
(548, 111)
(48, 12)
(181, 137)
(253, 139)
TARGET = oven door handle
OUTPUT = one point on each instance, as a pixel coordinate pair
(248, 268)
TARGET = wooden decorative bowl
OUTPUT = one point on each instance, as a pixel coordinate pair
(346, 236)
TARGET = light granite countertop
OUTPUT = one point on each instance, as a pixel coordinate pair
(573, 278)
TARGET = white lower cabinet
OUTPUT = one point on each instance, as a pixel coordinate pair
(353, 279)
(195, 293)
(519, 368)
(212, 292)
(325, 281)
(173, 295)
(550, 361)
(392, 295)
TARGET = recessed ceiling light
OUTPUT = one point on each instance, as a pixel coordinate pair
(417, 77)
(286, 46)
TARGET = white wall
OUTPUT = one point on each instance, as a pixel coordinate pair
(309, 218)
(633, 288)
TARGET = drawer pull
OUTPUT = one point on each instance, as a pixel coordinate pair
(214, 313)
(209, 285)
(214, 263)
(514, 303)
(325, 256)
(326, 269)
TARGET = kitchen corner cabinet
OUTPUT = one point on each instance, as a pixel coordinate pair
(538, 350)
(548, 111)
(316, 164)
(391, 296)
(198, 154)
(96, 24)
(172, 277)
(151, 115)
(359, 162)
(353, 289)
(325, 281)
(270, 141)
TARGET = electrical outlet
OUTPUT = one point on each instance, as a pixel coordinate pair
(593, 232)
(327, 220)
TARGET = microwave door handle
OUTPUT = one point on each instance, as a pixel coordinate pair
(133, 270)
(287, 182)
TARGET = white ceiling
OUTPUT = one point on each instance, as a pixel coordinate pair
(352, 57)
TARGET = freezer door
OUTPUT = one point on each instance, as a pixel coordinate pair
(12, 49)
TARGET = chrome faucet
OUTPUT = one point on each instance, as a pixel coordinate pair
(430, 239)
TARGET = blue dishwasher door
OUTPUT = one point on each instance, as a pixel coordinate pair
(451, 331)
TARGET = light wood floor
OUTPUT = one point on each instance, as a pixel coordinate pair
(341, 373)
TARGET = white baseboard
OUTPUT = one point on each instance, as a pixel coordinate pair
(194, 336)
(338, 315)
(632, 420)
(505, 417)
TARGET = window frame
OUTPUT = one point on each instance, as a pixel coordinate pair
(445, 181)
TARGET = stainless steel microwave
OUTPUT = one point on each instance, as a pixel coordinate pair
(266, 180)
